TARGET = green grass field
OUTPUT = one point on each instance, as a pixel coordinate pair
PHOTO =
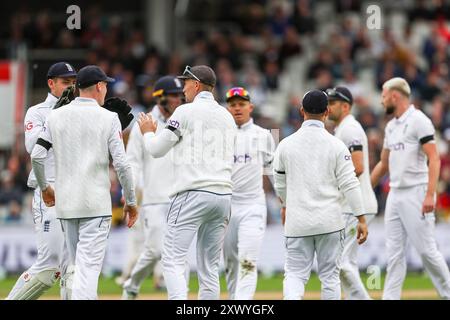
(416, 286)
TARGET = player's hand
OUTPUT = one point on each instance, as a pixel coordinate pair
(122, 108)
(362, 232)
(283, 215)
(48, 195)
(130, 214)
(67, 96)
(146, 123)
(428, 204)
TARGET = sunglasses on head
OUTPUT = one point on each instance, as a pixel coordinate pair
(187, 71)
(333, 93)
(238, 91)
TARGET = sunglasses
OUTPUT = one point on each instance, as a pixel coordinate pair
(333, 93)
(187, 71)
(237, 91)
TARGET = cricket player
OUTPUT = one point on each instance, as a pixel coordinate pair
(83, 135)
(350, 131)
(409, 144)
(202, 134)
(158, 180)
(50, 240)
(253, 153)
(311, 169)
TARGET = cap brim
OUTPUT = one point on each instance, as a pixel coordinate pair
(67, 75)
(184, 77)
(237, 96)
(108, 79)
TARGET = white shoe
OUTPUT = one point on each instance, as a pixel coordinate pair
(127, 295)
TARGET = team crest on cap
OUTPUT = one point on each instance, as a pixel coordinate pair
(69, 67)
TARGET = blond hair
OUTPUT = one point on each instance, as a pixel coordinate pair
(398, 84)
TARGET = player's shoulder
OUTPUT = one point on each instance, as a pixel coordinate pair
(419, 116)
(338, 144)
(352, 127)
(185, 108)
(39, 108)
(260, 129)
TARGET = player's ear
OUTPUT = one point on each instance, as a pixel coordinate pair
(302, 112)
(51, 83)
(252, 106)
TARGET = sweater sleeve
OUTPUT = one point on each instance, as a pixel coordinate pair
(279, 175)
(348, 183)
(120, 162)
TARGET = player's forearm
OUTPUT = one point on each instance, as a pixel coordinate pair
(434, 167)
(38, 156)
(125, 176)
(158, 146)
(378, 172)
(354, 199)
(280, 186)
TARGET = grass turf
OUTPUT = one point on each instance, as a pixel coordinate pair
(414, 281)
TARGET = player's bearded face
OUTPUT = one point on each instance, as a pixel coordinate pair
(388, 102)
(335, 108)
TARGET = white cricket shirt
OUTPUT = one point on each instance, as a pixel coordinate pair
(404, 138)
(33, 124)
(83, 135)
(156, 173)
(202, 134)
(253, 152)
(352, 134)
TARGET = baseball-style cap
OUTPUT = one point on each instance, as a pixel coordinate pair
(61, 70)
(89, 75)
(237, 92)
(201, 73)
(315, 102)
(340, 93)
(167, 84)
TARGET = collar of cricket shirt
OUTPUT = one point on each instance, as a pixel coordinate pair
(157, 114)
(313, 123)
(51, 98)
(246, 125)
(346, 118)
(86, 101)
(405, 114)
(204, 95)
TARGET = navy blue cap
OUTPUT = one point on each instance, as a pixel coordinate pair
(90, 75)
(61, 70)
(167, 84)
(340, 93)
(315, 102)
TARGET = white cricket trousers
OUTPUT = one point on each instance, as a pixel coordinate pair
(351, 283)
(404, 220)
(241, 248)
(50, 241)
(135, 245)
(153, 220)
(299, 261)
(86, 240)
(205, 214)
